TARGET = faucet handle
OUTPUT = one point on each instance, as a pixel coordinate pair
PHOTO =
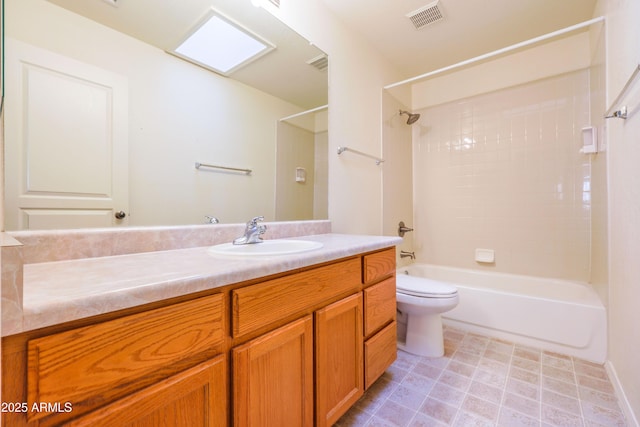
(211, 219)
(254, 221)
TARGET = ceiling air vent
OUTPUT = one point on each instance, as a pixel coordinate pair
(276, 3)
(426, 15)
(320, 62)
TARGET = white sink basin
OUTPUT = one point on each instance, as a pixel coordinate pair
(266, 247)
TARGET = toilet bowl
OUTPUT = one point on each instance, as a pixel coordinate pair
(420, 302)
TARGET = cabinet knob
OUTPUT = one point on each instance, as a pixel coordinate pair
(120, 214)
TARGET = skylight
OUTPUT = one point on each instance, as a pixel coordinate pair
(222, 45)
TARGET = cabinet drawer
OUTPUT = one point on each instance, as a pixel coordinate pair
(379, 265)
(95, 364)
(260, 305)
(379, 305)
(379, 353)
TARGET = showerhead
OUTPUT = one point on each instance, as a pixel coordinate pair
(413, 117)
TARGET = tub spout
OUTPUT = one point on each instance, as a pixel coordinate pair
(407, 254)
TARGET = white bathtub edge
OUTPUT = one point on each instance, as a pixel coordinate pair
(625, 405)
(575, 321)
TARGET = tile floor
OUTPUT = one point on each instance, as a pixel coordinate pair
(483, 381)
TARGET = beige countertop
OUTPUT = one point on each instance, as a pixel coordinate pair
(61, 291)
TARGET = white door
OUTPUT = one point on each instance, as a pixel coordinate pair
(66, 155)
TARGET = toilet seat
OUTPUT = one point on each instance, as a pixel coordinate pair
(423, 287)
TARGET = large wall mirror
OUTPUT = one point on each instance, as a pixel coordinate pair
(104, 126)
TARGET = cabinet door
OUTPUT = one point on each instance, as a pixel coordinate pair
(339, 359)
(273, 378)
(195, 397)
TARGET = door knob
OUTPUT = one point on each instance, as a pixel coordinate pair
(120, 214)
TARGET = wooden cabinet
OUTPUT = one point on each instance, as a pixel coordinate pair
(196, 397)
(295, 349)
(273, 378)
(379, 352)
(379, 265)
(93, 365)
(380, 349)
(380, 305)
(273, 375)
(339, 362)
(284, 298)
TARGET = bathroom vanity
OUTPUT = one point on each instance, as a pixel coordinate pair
(290, 347)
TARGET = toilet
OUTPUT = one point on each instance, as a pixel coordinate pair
(420, 302)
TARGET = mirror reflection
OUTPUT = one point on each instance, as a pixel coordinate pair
(104, 127)
(302, 174)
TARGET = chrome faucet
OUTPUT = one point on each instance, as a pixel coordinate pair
(252, 232)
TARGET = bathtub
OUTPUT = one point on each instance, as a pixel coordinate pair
(556, 315)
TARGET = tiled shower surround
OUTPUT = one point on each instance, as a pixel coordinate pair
(504, 171)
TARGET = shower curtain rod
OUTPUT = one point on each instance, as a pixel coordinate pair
(498, 52)
(302, 113)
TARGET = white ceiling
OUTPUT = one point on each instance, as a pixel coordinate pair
(284, 72)
(470, 27)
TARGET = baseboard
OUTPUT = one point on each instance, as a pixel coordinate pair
(622, 397)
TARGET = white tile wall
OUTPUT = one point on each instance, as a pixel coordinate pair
(503, 171)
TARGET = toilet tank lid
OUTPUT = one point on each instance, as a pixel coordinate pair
(421, 286)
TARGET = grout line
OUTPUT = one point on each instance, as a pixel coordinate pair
(575, 378)
(504, 389)
(372, 414)
(541, 375)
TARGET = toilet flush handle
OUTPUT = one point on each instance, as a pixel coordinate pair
(403, 229)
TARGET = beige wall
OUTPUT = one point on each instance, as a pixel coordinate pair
(558, 56)
(302, 142)
(623, 140)
(321, 179)
(599, 182)
(296, 148)
(357, 74)
(397, 183)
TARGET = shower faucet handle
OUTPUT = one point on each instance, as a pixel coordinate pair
(403, 229)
